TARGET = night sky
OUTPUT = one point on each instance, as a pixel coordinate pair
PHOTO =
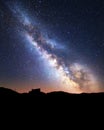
(57, 45)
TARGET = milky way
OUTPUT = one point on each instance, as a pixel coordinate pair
(72, 76)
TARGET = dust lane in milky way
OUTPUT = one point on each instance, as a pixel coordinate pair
(73, 77)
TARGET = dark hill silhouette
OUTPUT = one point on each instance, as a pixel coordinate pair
(7, 92)
(35, 100)
(36, 105)
(38, 93)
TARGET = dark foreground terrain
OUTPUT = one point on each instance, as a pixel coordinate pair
(52, 109)
(36, 94)
(59, 102)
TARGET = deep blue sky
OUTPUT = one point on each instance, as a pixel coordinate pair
(79, 24)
